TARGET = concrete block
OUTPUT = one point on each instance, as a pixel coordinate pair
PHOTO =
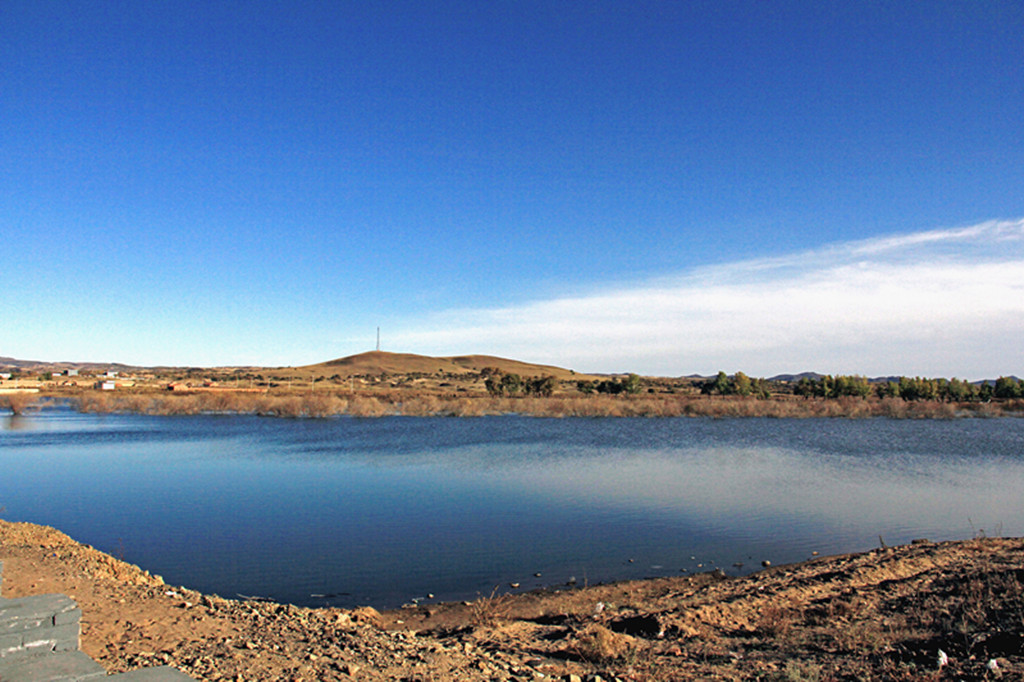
(11, 644)
(61, 638)
(29, 613)
(161, 674)
(73, 666)
(68, 616)
(40, 624)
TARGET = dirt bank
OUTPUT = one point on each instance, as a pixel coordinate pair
(883, 614)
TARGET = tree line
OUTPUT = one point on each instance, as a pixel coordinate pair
(629, 384)
(738, 384)
(907, 388)
(500, 383)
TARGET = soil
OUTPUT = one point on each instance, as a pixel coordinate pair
(883, 614)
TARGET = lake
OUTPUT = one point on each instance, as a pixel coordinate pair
(349, 511)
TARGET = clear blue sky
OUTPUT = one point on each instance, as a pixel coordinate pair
(267, 182)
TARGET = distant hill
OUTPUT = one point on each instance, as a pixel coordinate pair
(43, 366)
(791, 378)
(380, 362)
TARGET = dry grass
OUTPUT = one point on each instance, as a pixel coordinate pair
(415, 403)
(488, 611)
(596, 644)
(777, 619)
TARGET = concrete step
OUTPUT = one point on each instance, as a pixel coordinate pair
(39, 639)
(39, 624)
(68, 666)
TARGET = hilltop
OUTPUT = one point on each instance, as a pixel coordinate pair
(382, 362)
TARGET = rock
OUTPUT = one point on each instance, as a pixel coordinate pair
(368, 614)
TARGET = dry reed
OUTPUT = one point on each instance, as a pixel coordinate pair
(19, 402)
(426, 404)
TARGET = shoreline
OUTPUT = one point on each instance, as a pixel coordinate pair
(876, 614)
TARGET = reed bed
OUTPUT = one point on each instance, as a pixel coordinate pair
(425, 404)
(20, 402)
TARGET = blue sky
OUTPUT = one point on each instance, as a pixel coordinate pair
(657, 187)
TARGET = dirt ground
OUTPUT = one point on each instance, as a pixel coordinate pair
(884, 614)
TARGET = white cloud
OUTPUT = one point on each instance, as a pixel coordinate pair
(936, 303)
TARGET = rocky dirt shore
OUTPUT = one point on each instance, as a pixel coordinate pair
(885, 614)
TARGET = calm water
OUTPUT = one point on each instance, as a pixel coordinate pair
(380, 511)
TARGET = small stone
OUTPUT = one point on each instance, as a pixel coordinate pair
(766, 563)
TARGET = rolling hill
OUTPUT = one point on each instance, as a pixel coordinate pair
(382, 362)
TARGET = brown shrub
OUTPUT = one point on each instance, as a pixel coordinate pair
(323, 405)
(367, 406)
(135, 402)
(490, 610)
(598, 643)
(777, 620)
(95, 402)
(19, 403)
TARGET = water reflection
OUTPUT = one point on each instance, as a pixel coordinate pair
(386, 509)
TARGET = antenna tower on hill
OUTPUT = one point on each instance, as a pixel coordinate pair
(378, 339)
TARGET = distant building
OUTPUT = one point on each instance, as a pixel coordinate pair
(5, 375)
(106, 385)
(110, 374)
(71, 372)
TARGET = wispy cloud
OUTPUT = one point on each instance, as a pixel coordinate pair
(937, 303)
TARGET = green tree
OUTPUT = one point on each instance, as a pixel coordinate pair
(511, 384)
(631, 384)
(543, 386)
(586, 387)
(959, 390)
(741, 384)
(889, 389)
(806, 387)
(720, 385)
(761, 389)
(1007, 387)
